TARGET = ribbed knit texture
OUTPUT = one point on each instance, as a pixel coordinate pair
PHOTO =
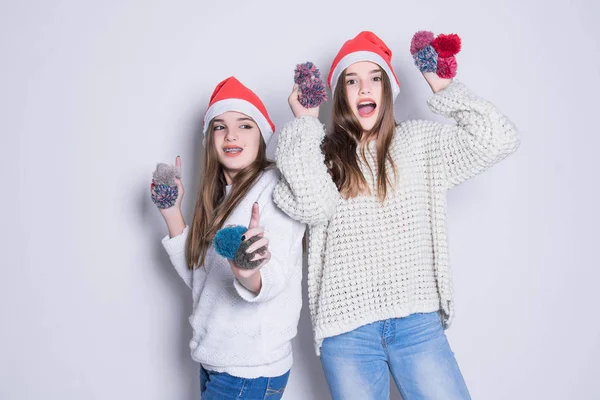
(370, 261)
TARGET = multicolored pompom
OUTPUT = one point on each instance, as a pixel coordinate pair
(312, 94)
(305, 72)
(227, 240)
(447, 67)
(164, 196)
(310, 85)
(445, 47)
(426, 59)
(164, 187)
(420, 40)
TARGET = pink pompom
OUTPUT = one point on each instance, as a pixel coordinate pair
(420, 40)
(447, 45)
(311, 87)
(446, 67)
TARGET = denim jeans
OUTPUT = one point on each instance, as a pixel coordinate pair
(413, 349)
(222, 386)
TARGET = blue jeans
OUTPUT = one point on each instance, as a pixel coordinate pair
(222, 386)
(414, 349)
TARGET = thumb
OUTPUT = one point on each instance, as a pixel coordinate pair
(254, 220)
(178, 164)
(179, 184)
(294, 94)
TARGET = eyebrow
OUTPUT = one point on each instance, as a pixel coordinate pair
(372, 72)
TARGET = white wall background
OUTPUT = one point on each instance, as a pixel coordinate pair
(93, 94)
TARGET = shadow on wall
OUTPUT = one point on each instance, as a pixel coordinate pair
(190, 369)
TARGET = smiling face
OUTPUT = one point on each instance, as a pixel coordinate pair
(363, 81)
(236, 141)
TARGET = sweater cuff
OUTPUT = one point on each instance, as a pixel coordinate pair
(446, 99)
(175, 245)
(248, 295)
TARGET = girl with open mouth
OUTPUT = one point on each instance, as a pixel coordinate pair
(373, 193)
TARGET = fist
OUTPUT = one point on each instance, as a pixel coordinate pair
(167, 205)
(253, 253)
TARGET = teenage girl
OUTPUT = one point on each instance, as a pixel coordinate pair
(373, 193)
(243, 320)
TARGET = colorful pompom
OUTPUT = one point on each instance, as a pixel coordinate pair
(420, 40)
(438, 54)
(446, 67)
(164, 196)
(312, 94)
(310, 85)
(227, 240)
(426, 59)
(164, 188)
(305, 72)
(447, 45)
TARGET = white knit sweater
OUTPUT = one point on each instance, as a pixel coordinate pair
(370, 261)
(234, 330)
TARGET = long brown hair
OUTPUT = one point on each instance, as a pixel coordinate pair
(212, 206)
(341, 142)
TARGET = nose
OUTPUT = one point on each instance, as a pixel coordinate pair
(365, 88)
(231, 135)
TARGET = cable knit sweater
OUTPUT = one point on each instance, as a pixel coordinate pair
(370, 261)
(235, 330)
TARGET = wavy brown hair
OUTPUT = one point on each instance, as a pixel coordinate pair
(341, 142)
(212, 206)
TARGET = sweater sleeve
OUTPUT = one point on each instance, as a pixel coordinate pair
(481, 137)
(284, 235)
(175, 248)
(306, 191)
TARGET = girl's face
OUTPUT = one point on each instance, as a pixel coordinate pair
(363, 90)
(236, 139)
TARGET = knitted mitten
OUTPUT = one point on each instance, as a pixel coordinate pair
(164, 189)
(310, 85)
(436, 55)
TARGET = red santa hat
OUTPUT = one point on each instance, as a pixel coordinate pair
(366, 46)
(232, 95)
